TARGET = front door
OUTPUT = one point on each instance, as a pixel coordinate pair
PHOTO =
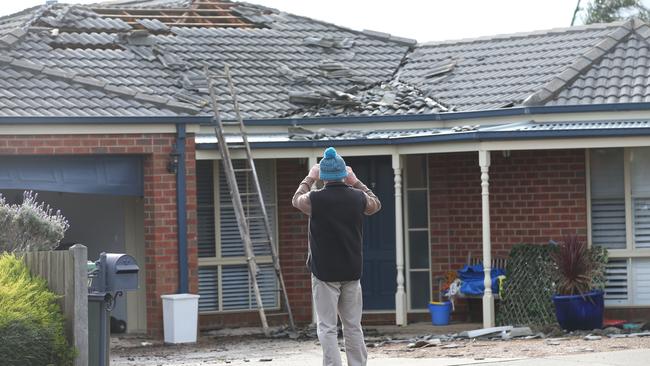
(379, 271)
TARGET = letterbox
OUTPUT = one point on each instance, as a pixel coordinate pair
(115, 272)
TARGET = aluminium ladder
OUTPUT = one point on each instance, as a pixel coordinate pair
(254, 199)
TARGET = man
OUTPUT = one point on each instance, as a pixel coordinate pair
(335, 259)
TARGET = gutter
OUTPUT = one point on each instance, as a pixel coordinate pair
(181, 210)
(475, 136)
(78, 120)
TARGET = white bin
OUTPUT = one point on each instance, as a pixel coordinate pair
(180, 317)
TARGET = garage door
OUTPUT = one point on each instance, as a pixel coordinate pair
(113, 175)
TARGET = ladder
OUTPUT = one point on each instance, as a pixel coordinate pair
(254, 199)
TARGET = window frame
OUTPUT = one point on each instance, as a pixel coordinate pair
(630, 252)
(218, 261)
(408, 230)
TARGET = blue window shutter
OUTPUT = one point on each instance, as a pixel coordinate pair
(208, 288)
(231, 244)
(205, 208)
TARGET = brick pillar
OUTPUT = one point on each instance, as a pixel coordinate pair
(293, 243)
(160, 228)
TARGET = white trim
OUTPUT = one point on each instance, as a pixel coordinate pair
(588, 195)
(407, 237)
(630, 252)
(401, 317)
(633, 253)
(627, 188)
(488, 298)
(442, 147)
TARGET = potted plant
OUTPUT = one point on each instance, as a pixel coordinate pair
(579, 302)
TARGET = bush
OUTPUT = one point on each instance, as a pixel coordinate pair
(31, 323)
(30, 226)
(580, 269)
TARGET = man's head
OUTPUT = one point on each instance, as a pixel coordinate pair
(332, 166)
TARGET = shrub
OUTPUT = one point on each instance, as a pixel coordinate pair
(580, 269)
(30, 226)
(31, 323)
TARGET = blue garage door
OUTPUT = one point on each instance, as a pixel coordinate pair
(111, 175)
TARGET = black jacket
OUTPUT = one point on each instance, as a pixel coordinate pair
(336, 232)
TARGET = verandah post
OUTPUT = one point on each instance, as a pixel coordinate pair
(488, 297)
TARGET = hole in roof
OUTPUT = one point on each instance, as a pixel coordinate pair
(199, 13)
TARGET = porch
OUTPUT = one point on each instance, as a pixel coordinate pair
(454, 199)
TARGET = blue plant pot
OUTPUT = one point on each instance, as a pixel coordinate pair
(580, 312)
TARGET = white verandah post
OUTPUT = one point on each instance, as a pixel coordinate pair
(488, 297)
(400, 294)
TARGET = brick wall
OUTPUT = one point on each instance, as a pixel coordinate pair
(293, 238)
(159, 200)
(534, 196)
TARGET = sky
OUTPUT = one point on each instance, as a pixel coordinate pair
(423, 20)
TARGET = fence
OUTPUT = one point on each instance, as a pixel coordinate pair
(66, 274)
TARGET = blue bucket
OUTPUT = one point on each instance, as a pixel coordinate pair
(440, 312)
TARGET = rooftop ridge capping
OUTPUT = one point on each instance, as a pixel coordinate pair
(97, 84)
(583, 62)
(33, 9)
(389, 37)
(642, 29)
(495, 37)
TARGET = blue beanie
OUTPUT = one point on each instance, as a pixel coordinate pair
(332, 166)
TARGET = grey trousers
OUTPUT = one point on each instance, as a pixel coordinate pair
(345, 299)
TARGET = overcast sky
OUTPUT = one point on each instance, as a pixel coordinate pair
(424, 20)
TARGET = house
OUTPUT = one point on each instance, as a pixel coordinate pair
(472, 146)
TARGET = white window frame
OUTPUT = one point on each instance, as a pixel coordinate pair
(630, 252)
(219, 261)
(407, 240)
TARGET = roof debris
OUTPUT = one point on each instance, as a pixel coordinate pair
(294, 75)
(333, 69)
(153, 25)
(381, 99)
(329, 42)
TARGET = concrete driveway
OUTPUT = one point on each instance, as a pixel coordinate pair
(640, 357)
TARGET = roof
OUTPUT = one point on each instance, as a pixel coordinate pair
(283, 54)
(65, 60)
(503, 71)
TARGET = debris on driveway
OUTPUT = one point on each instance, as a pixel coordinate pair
(238, 347)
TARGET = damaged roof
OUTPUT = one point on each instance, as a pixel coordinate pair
(146, 58)
(162, 66)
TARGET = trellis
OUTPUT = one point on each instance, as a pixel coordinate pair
(529, 288)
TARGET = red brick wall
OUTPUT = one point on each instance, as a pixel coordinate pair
(534, 196)
(293, 242)
(159, 200)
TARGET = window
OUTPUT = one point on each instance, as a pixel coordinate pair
(620, 220)
(417, 240)
(224, 281)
